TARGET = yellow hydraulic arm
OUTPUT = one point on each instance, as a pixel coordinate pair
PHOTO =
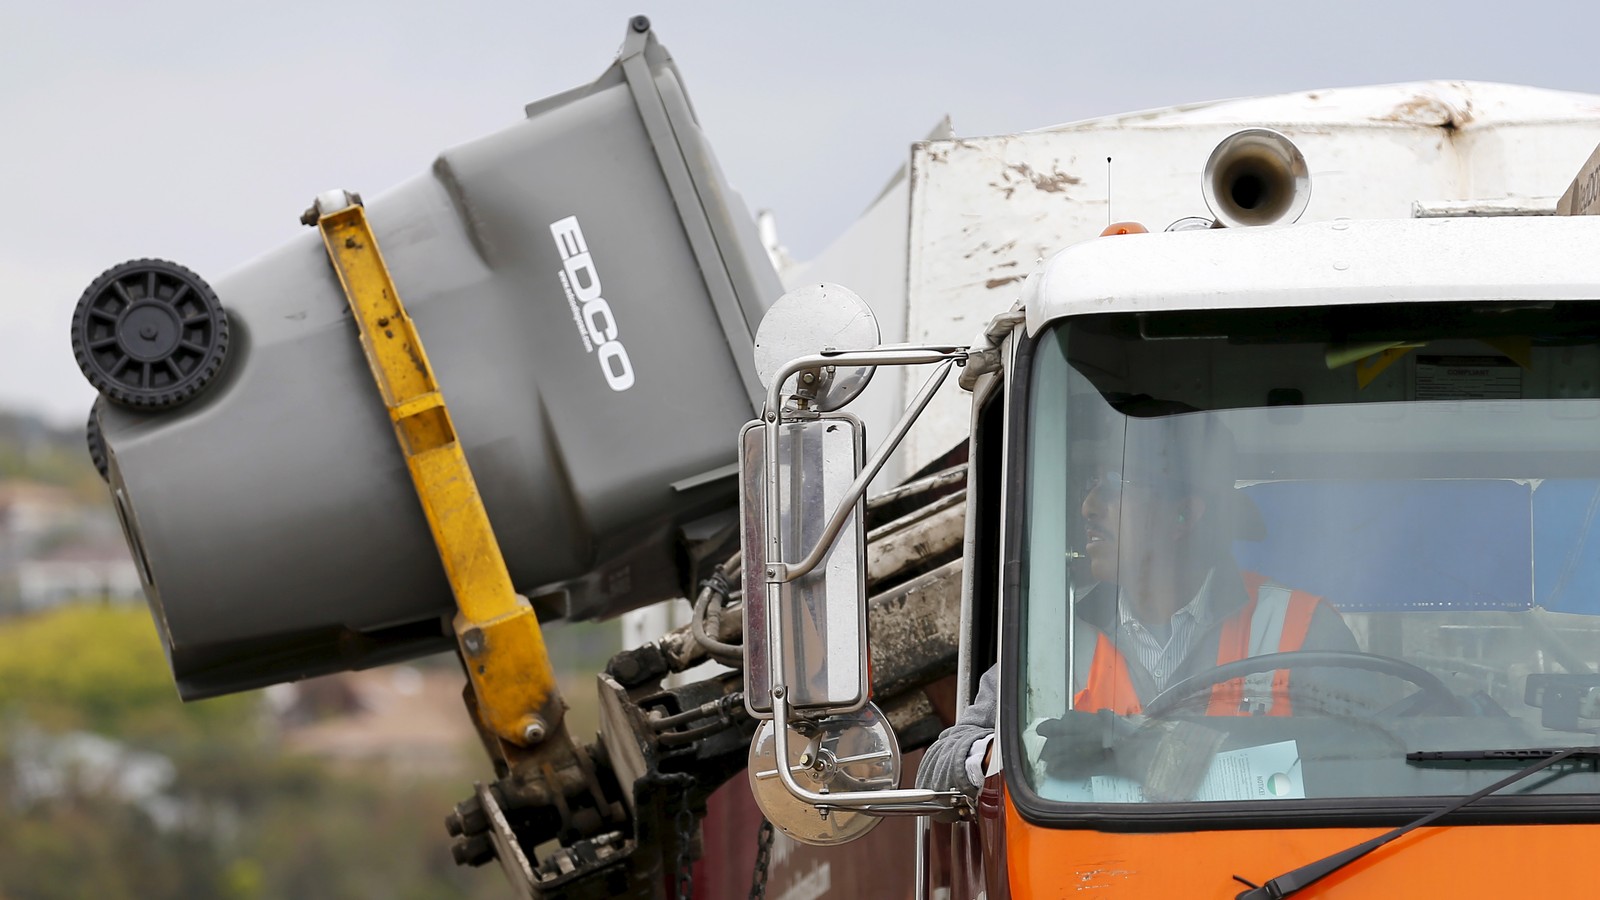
(499, 636)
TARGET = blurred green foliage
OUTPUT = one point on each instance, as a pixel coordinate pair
(250, 821)
(101, 668)
(31, 450)
(254, 822)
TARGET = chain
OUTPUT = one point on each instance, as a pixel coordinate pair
(684, 822)
(758, 880)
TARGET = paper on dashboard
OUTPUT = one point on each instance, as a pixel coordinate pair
(1267, 772)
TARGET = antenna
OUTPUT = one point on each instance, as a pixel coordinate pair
(1108, 192)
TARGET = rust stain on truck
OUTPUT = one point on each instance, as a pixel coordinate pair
(1056, 182)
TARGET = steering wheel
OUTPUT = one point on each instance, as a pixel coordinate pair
(1427, 683)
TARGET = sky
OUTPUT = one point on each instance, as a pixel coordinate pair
(198, 131)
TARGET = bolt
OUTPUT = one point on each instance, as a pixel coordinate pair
(473, 851)
(640, 24)
(625, 668)
(148, 332)
(473, 640)
(534, 733)
(383, 321)
(808, 378)
(467, 818)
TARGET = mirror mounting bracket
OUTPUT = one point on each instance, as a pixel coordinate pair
(900, 801)
(778, 571)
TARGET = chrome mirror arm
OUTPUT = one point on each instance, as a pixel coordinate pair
(900, 800)
(779, 572)
(892, 355)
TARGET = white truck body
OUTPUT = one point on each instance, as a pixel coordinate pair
(947, 247)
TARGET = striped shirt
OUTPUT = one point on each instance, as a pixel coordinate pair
(1160, 656)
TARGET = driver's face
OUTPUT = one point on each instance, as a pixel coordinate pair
(1126, 524)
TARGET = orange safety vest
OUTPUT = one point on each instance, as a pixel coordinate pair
(1108, 685)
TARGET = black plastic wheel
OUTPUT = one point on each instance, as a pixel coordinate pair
(149, 334)
(97, 444)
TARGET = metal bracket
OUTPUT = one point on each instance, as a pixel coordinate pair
(778, 571)
(497, 631)
(897, 801)
(985, 355)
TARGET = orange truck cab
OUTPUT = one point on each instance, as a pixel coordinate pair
(1282, 548)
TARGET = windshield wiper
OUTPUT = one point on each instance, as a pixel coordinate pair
(1309, 874)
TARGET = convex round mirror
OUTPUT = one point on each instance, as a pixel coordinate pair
(849, 752)
(808, 320)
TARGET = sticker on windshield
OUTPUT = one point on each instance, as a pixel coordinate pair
(1268, 772)
(1468, 378)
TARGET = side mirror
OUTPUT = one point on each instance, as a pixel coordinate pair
(824, 765)
(822, 615)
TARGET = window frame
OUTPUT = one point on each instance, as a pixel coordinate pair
(1555, 809)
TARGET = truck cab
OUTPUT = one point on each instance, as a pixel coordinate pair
(1396, 418)
(1279, 540)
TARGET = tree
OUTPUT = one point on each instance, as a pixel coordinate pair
(252, 822)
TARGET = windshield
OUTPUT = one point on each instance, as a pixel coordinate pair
(1268, 553)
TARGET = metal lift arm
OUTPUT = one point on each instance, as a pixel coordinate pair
(499, 636)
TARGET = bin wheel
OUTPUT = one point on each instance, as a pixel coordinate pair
(97, 444)
(149, 334)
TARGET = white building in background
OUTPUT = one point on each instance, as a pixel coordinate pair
(54, 548)
(31, 513)
(87, 569)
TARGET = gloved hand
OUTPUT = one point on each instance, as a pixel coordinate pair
(1080, 742)
(1169, 758)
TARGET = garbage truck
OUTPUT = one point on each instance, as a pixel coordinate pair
(1249, 552)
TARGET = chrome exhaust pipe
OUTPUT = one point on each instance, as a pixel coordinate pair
(1256, 177)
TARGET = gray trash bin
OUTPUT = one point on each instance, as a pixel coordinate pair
(586, 286)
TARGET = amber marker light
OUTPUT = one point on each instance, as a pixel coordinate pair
(1125, 228)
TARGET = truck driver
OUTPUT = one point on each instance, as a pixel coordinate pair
(1168, 600)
